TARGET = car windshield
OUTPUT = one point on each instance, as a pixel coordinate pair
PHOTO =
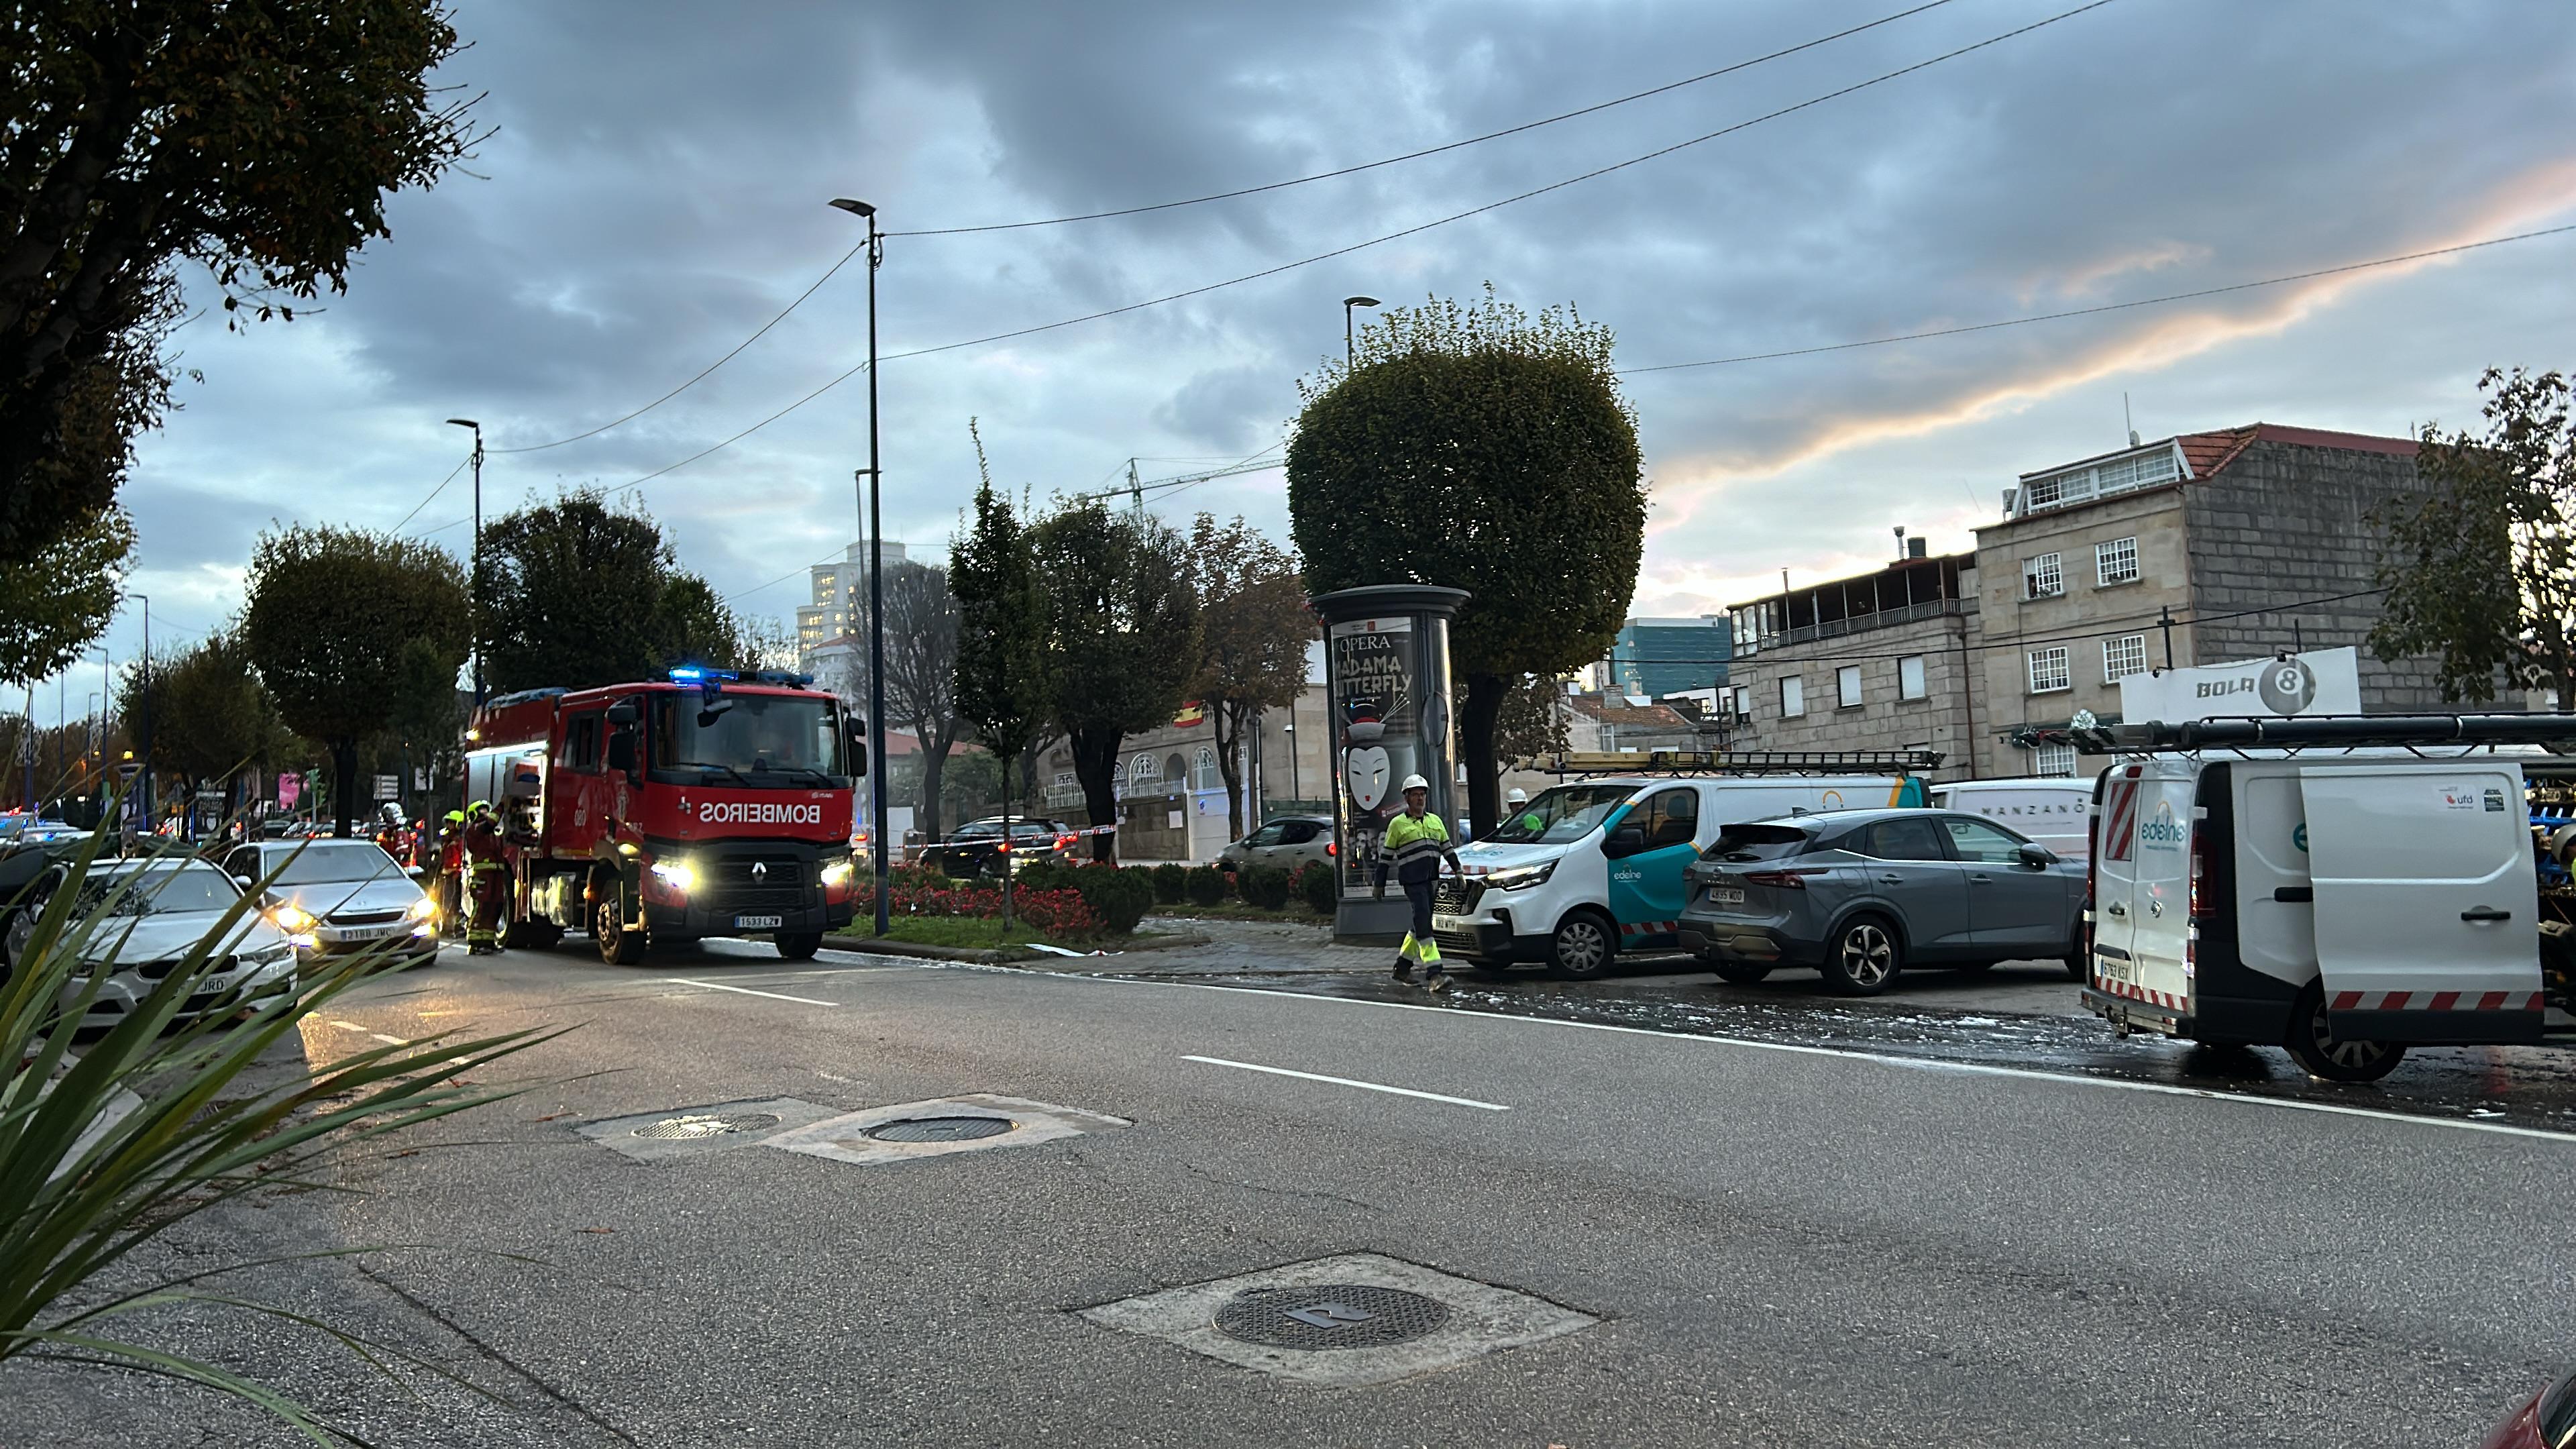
(1568, 812)
(795, 738)
(325, 861)
(158, 891)
(1756, 842)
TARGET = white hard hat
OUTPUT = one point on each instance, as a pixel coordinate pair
(1516, 796)
(1414, 782)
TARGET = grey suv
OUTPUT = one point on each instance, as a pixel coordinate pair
(1862, 894)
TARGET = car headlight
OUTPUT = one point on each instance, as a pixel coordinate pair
(293, 919)
(422, 909)
(679, 875)
(1519, 876)
(837, 874)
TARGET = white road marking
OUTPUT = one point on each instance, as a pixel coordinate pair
(1351, 1082)
(390, 1040)
(744, 990)
(348, 1026)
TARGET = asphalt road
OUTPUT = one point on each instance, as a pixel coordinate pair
(1782, 1245)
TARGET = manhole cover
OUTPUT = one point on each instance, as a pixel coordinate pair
(706, 1124)
(1342, 1315)
(940, 1129)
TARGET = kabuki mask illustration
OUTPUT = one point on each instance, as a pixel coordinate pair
(1365, 767)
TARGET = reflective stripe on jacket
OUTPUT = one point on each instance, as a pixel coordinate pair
(1414, 847)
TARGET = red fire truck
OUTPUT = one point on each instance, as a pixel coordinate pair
(707, 804)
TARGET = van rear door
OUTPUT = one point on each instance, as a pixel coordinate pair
(2142, 883)
(2427, 904)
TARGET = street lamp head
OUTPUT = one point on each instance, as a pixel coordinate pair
(1359, 301)
(463, 423)
(854, 208)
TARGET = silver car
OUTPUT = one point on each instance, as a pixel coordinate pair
(155, 912)
(1862, 894)
(339, 896)
(1283, 843)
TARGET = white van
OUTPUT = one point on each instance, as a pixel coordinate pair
(2047, 809)
(2342, 903)
(1592, 868)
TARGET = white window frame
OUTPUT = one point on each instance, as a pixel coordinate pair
(2054, 660)
(2108, 556)
(1922, 684)
(1793, 696)
(2132, 649)
(2053, 761)
(2043, 576)
(1743, 698)
(1847, 693)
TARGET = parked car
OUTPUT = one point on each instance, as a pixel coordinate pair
(2052, 810)
(1862, 894)
(976, 849)
(1283, 843)
(158, 910)
(2547, 1420)
(339, 896)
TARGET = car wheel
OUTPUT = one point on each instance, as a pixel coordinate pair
(15, 936)
(2079, 953)
(1742, 973)
(797, 945)
(1584, 949)
(2314, 1046)
(617, 945)
(1863, 957)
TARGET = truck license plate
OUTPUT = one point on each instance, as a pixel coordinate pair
(1725, 896)
(1448, 923)
(758, 923)
(2110, 970)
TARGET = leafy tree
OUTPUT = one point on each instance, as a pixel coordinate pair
(1254, 627)
(1122, 635)
(1001, 631)
(350, 631)
(2480, 567)
(1532, 721)
(210, 715)
(1477, 448)
(921, 672)
(53, 608)
(257, 141)
(579, 593)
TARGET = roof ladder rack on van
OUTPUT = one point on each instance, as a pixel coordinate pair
(1742, 762)
(2330, 731)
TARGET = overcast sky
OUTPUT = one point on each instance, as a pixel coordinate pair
(656, 187)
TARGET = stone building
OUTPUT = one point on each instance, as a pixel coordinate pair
(2191, 550)
(1880, 661)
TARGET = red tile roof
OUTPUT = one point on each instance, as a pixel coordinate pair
(2209, 452)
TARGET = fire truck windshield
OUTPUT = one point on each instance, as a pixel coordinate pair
(747, 739)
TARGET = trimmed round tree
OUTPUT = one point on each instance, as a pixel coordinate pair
(1486, 450)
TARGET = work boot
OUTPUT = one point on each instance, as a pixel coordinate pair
(1436, 980)
(1403, 968)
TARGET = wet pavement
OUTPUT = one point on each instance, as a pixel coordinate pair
(2018, 1016)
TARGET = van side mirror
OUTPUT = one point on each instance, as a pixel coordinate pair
(621, 751)
(1626, 840)
(2038, 857)
(622, 713)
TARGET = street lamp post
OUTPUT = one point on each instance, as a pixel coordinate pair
(1349, 353)
(877, 854)
(474, 569)
(147, 818)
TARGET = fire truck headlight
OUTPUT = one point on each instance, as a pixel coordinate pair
(679, 875)
(837, 873)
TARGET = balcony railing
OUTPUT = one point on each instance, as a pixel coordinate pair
(1861, 623)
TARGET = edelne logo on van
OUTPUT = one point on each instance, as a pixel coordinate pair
(757, 812)
(2161, 830)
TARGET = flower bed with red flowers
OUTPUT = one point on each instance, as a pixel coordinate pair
(1061, 914)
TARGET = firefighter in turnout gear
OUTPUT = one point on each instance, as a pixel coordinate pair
(1414, 845)
(489, 879)
(449, 863)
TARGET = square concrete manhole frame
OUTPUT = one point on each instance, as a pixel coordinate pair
(618, 1133)
(1482, 1319)
(845, 1138)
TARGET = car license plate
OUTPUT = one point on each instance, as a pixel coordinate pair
(1448, 923)
(758, 923)
(1725, 896)
(367, 933)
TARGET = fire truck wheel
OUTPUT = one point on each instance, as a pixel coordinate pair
(2314, 1046)
(617, 945)
(797, 945)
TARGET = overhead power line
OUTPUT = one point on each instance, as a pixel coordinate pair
(2494, 241)
(433, 493)
(1265, 272)
(1428, 150)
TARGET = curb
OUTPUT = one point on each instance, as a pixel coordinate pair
(991, 956)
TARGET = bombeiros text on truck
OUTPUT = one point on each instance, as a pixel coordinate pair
(711, 803)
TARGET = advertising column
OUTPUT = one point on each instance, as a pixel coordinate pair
(1386, 682)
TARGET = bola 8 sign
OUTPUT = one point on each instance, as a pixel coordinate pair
(2286, 686)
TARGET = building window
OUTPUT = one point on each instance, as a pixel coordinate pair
(2053, 761)
(1909, 678)
(1145, 768)
(2115, 562)
(2123, 656)
(1847, 687)
(1744, 701)
(1205, 777)
(1793, 696)
(2041, 578)
(2048, 670)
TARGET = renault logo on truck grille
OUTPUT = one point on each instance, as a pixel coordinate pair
(760, 870)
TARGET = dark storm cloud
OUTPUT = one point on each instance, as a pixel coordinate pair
(655, 192)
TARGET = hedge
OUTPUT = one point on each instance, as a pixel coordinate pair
(1206, 885)
(1263, 886)
(1316, 885)
(1171, 882)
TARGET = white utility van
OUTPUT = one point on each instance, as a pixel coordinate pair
(2047, 809)
(1594, 867)
(2342, 888)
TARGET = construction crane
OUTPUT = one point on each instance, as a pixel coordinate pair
(1137, 487)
